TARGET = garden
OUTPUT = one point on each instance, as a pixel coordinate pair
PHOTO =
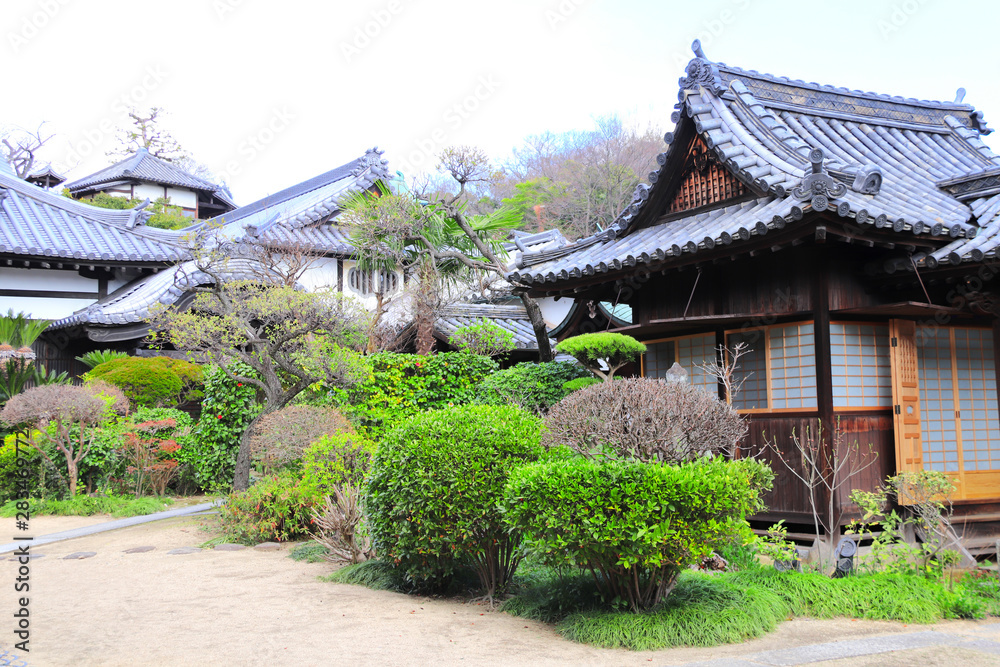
(614, 508)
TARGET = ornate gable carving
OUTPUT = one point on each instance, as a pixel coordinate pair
(704, 181)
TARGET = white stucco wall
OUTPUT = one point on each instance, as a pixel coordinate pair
(554, 312)
(178, 196)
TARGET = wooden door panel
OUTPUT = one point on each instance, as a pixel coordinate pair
(905, 395)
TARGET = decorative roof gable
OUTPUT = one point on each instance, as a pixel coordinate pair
(797, 147)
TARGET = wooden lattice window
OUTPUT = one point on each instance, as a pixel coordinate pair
(778, 371)
(861, 370)
(704, 181)
(691, 352)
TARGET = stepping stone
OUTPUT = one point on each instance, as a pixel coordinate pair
(182, 551)
(80, 555)
(267, 546)
(138, 550)
(229, 547)
(30, 556)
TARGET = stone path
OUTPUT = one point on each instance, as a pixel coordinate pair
(857, 648)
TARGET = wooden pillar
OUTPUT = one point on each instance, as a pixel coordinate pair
(824, 369)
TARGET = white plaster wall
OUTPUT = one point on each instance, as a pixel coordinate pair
(44, 309)
(49, 280)
(178, 197)
(322, 273)
(554, 312)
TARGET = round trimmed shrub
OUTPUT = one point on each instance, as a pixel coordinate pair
(280, 438)
(434, 487)
(633, 525)
(529, 385)
(151, 381)
(646, 419)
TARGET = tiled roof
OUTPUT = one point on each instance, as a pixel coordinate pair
(873, 159)
(38, 223)
(299, 214)
(131, 303)
(510, 317)
(141, 166)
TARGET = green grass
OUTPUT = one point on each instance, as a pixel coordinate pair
(372, 574)
(713, 609)
(310, 552)
(88, 506)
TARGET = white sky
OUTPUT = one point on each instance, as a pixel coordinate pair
(272, 93)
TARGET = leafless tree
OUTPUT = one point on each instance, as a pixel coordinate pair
(20, 147)
(145, 131)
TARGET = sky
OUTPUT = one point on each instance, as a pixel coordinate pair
(267, 94)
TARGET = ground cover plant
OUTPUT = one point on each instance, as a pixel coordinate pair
(434, 488)
(116, 506)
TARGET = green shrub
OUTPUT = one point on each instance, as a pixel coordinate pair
(401, 385)
(434, 487)
(12, 483)
(334, 460)
(272, 510)
(226, 410)
(591, 349)
(531, 386)
(579, 383)
(104, 467)
(151, 381)
(483, 337)
(633, 525)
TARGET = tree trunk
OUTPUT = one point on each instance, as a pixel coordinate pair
(545, 352)
(241, 474)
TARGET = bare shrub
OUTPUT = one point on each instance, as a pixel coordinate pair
(282, 437)
(644, 418)
(338, 526)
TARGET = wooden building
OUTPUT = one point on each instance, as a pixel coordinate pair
(850, 240)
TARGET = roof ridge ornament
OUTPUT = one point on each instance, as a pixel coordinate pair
(819, 185)
(700, 72)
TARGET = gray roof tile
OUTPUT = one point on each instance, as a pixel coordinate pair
(37, 223)
(764, 128)
(142, 166)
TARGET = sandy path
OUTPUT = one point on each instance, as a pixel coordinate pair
(251, 608)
